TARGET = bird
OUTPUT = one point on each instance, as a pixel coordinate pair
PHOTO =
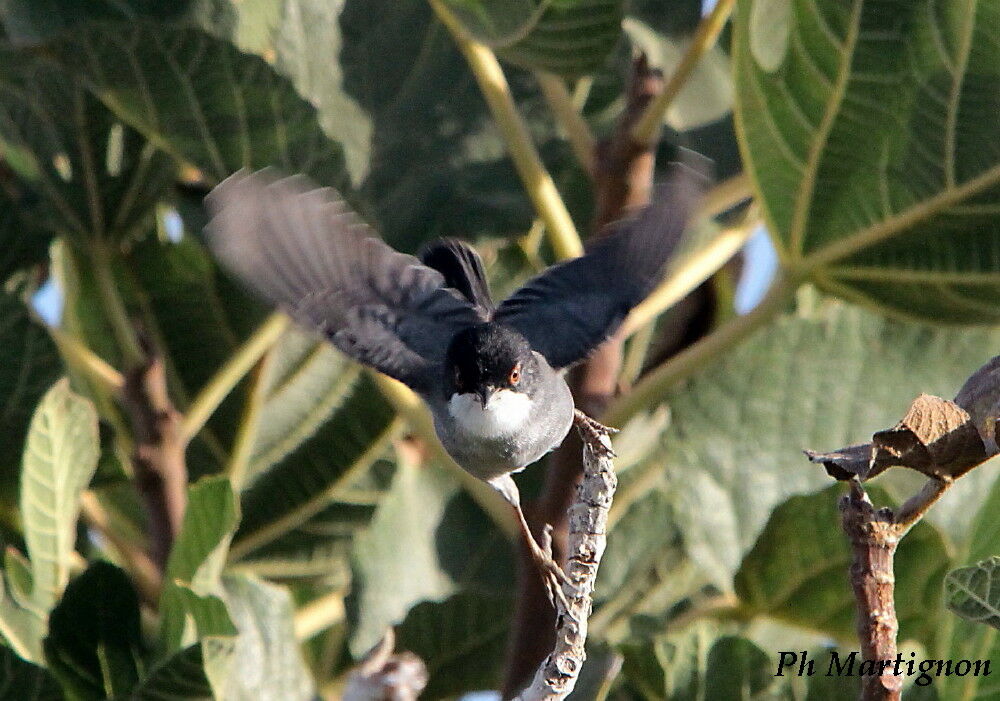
(491, 374)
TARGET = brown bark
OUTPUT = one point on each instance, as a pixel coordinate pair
(160, 467)
(874, 536)
(623, 180)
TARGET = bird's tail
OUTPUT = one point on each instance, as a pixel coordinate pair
(462, 269)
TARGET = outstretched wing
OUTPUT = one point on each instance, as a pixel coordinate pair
(568, 310)
(302, 249)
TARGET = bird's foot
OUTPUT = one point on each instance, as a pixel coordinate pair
(553, 576)
(592, 432)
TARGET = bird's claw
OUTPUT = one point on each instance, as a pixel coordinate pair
(592, 432)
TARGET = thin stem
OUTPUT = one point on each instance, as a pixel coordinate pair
(412, 409)
(648, 128)
(725, 195)
(230, 374)
(537, 181)
(319, 614)
(651, 388)
(87, 361)
(113, 305)
(246, 434)
(142, 568)
(700, 266)
(569, 118)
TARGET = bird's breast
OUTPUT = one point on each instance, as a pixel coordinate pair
(506, 413)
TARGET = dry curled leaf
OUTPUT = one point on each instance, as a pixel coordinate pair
(940, 438)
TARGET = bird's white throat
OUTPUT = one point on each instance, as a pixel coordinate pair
(505, 413)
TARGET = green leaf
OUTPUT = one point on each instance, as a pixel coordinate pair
(304, 381)
(390, 85)
(870, 137)
(302, 485)
(94, 646)
(697, 663)
(267, 661)
(203, 101)
(22, 626)
(386, 584)
(797, 571)
(461, 640)
(198, 556)
(92, 175)
(60, 457)
(180, 676)
(822, 377)
(29, 21)
(23, 681)
(985, 531)
(972, 593)
(566, 37)
(29, 365)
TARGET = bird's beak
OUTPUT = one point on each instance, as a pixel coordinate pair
(484, 395)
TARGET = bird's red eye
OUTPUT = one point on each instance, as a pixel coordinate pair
(515, 374)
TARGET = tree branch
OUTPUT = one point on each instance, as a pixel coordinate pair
(874, 536)
(588, 518)
(160, 467)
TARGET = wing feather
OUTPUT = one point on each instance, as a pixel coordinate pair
(571, 308)
(302, 249)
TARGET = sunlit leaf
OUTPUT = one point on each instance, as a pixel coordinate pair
(60, 456)
(870, 133)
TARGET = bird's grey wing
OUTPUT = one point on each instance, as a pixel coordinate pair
(302, 249)
(568, 310)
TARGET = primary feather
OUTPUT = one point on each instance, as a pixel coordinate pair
(303, 250)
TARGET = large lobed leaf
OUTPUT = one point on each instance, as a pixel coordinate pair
(797, 570)
(200, 99)
(566, 37)
(823, 376)
(305, 483)
(974, 593)
(869, 129)
(84, 174)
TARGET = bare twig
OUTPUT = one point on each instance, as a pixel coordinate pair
(588, 517)
(874, 536)
(160, 468)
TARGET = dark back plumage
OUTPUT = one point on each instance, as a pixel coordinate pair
(462, 269)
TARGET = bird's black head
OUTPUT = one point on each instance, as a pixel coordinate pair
(489, 357)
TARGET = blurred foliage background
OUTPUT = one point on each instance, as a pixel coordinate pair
(861, 134)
